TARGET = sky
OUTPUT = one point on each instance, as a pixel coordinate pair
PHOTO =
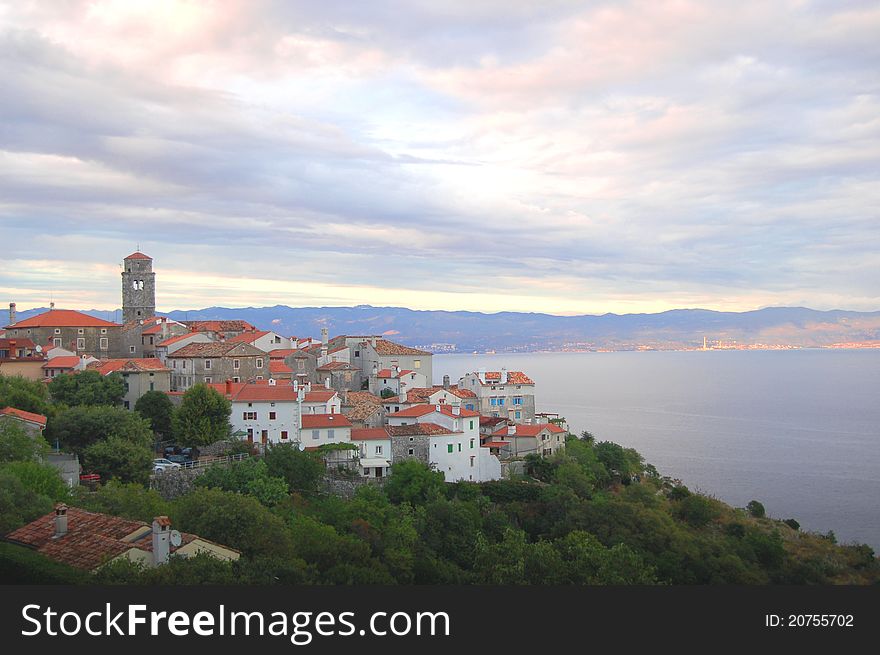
(489, 155)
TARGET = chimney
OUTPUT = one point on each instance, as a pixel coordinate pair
(12, 344)
(345, 396)
(503, 375)
(295, 386)
(437, 408)
(272, 382)
(325, 333)
(402, 398)
(228, 387)
(60, 520)
(51, 306)
(446, 382)
(327, 382)
(161, 540)
(373, 341)
(12, 313)
(511, 430)
(456, 409)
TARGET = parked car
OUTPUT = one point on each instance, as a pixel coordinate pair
(163, 464)
(179, 459)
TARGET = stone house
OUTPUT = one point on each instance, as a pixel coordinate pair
(77, 332)
(503, 394)
(209, 362)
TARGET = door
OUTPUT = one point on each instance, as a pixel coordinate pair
(378, 471)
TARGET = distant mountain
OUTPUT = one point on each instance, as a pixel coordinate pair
(515, 331)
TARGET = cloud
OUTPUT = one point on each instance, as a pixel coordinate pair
(501, 155)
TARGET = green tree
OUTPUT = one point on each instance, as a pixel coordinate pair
(77, 428)
(21, 393)
(697, 510)
(42, 479)
(201, 569)
(158, 409)
(16, 445)
(413, 482)
(202, 418)
(18, 504)
(128, 500)
(87, 388)
(756, 509)
(119, 458)
(302, 471)
(250, 476)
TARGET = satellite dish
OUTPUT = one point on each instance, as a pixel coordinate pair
(175, 538)
(39, 349)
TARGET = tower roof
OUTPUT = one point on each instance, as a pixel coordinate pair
(138, 255)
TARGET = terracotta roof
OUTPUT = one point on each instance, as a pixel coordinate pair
(62, 362)
(313, 421)
(281, 353)
(133, 365)
(356, 397)
(265, 393)
(277, 366)
(336, 366)
(138, 255)
(421, 394)
(214, 349)
(17, 342)
(529, 430)
(492, 420)
(388, 373)
(63, 318)
(171, 340)
(220, 326)
(369, 434)
(513, 377)
(247, 337)
(495, 444)
(319, 395)
(91, 538)
(428, 429)
(422, 410)
(362, 411)
(385, 347)
(23, 415)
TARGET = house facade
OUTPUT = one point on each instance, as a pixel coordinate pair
(77, 332)
(139, 375)
(503, 394)
(520, 440)
(198, 363)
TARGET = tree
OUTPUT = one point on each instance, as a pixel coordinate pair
(413, 482)
(21, 393)
(157, 408)
(87, 388)
(42, 479)
(119, 458)
(386, 393)
(250, 476)
(77, 428)
(18, 504)
(301, 471)
(202, 418)
(128, 500)
(756, 509)
(16, 445)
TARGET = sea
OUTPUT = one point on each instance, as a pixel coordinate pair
(798, 430)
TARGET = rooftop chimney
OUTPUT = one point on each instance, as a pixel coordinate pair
(446, 382)
(503, 375)
(456, 409)
(327, 382)
(12, 313)
(402, 398)
(295, 385)
(437, 408)
(161, 540)
(511, 430)
(228, 387)
(325, 333)
(60, 520)
(373, 341)
(272, 382)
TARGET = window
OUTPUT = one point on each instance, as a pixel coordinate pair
(357, 353)
(103, 343)
(103, 330)
(284, 435)
(80, 331)
(472, 461)
(236, 379)
(459, 447)
(57, 330)
(417, 363)
(517, 400)
(80, 344)
(472, 443)
(271, 416)
(130, 349)
(316, 434)
(469, 406)
(236, 364)
(411, 452)
(300, 365)
(259, 377)
(331, 434)
(125, 403)
(152, 386)
(57, 343)
(208, 380)
(471, 425)
(378, 450)
(493, 401)
(449, 448)
(518, 414)
(367, 472)
(501, 401)
(259, 362)
(249, 416)
(411, 439)
(207, 364)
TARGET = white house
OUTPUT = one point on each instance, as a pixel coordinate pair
(504, 394)
(374, 450)
(519, 440)
(265, 340)
(398, 381)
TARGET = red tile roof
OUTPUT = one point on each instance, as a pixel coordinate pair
(369, 434)
(17, 342)
(91, 538)
(138, 255)
(23, 415)
(171, 340)
(529, 430)
(494, 444)
(427, 429)
(385, 347)
(249, 393)
(335, 366)
(281, 353)
(215, 349)
(421, 394)
(314, 421)
(62, 362)
(63, 318)
(220, 326)
(278, 366)
(513, 377)
(357, 397)
(319, 395)
(388, 373)
(423, 410)
(133, 365)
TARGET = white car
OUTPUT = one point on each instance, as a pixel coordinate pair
(160, 465)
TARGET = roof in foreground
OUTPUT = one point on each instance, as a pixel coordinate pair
(23, 415)
(369, 434)
(325, 421)
(63, 318)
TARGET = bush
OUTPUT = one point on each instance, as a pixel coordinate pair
(755, 509)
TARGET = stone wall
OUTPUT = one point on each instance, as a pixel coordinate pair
(401, 445)
(346, 488)
(173, 483)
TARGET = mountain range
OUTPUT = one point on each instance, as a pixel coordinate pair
(460, 331)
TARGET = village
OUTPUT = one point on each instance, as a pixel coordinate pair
(373, 398)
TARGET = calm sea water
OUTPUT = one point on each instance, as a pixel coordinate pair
(798, 430)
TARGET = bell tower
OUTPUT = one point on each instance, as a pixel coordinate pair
(138, 288)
